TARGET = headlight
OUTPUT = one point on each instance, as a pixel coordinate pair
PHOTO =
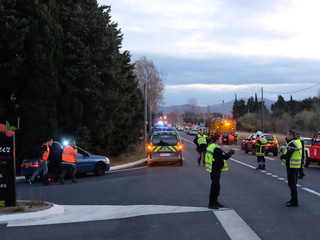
(107, 159)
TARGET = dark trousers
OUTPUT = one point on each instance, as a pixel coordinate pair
(292, 175)
(301, 173)
(215, 185)
(261, 161)
(202, 149)
(65, 168)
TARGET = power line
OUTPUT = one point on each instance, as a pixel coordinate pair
(293, 91)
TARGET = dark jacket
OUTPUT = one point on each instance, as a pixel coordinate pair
(219, 156)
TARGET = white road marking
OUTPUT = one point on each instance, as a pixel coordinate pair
(235, 227)
(279, 178)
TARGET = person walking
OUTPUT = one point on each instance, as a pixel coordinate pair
(292, 160)
(69, 161)
(43, 156)
(261, 145)
(215, 162)
(201, 141)
(300, 172)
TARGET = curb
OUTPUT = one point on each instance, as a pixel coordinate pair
(55, 210)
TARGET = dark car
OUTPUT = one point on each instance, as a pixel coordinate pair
(165, 146)
(86, 162)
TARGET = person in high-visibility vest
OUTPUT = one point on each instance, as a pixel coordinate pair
(43, 160)
(215, 162)
(201, 141)
(292, 160)
(261, 146)
(69, 161)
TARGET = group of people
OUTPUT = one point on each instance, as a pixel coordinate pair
(68, 161)
(214, 158)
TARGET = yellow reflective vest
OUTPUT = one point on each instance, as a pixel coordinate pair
(210, 159)
(295, 159)
(261, 145)
(202, 139)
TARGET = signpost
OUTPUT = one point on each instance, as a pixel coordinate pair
(7, 166)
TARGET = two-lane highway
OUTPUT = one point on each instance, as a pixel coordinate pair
(170, 202)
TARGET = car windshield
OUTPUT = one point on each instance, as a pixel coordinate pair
(165, 140)
(269, 137)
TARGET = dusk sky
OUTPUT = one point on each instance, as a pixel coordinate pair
(212, 50)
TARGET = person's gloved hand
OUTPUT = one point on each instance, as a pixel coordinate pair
(231, 152)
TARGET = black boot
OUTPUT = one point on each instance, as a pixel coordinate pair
(292, 203)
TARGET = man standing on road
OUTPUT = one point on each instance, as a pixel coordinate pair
(215, 162)
(201, 141)
(292, 160)
(261, 145)
(43, 156)
(69, 161)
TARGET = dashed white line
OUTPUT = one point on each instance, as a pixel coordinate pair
(275, 176)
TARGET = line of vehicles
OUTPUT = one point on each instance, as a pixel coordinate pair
(311, 147)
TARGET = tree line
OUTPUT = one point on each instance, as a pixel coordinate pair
(62, 73)
(302, 116)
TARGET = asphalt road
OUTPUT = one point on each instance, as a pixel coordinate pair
(170, 202)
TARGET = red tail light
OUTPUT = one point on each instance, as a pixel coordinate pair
(149, 147)
(180, 147)
(35, 164)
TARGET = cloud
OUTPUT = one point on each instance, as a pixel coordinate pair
(214, 49)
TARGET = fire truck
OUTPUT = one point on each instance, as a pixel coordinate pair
(225, 127)
(312, 149)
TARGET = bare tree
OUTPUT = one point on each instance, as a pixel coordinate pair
(146, 72)
(192, 108)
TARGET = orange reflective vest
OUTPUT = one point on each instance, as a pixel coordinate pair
(69, 154)
(46, 153)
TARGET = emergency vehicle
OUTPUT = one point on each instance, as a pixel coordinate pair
(312, 149)
(165, 147)
(224, 127)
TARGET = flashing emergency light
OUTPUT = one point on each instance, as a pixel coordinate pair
(227, 124)
(160, 122)
(65, 143)
(165, 117)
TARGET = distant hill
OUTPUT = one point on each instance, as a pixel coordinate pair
(225, 108)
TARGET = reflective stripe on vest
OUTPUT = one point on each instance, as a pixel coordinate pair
(69, 154)
(202, 139)
(46, 153)
(295, 160)
(261, 147)
(210, 159)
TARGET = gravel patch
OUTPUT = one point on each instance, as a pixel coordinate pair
(25, 207)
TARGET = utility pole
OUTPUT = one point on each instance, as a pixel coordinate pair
(222, 109)
(145, 116)
(262, 111)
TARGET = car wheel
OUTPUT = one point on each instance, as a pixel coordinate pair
(307, 161)
(246, 150)
(100, 169)
(275, 153)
